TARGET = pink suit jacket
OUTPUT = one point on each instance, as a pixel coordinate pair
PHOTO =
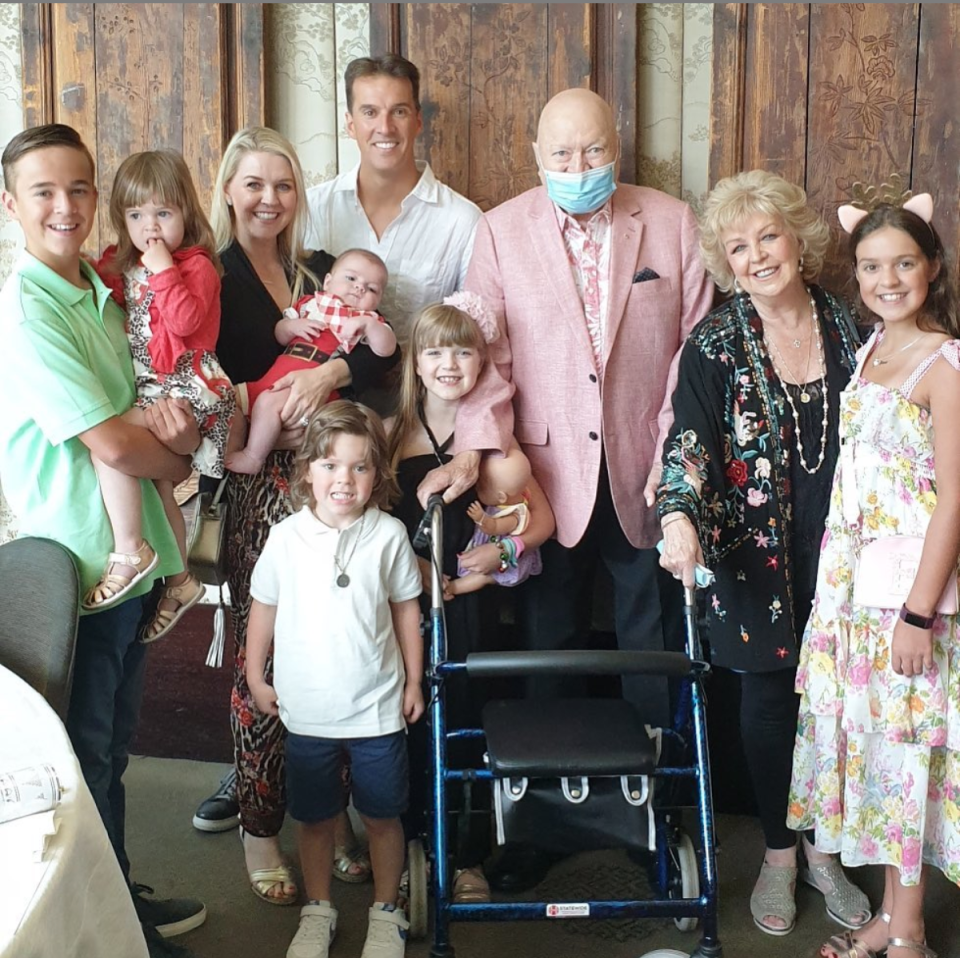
(544, 360)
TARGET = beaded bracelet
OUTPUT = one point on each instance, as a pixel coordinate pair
(509, 553)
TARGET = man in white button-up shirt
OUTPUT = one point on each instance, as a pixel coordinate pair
(390, 203)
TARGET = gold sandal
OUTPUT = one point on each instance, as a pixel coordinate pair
(470, 886)
(345, 858)
(187, 594)
(262, 880)
(847, 946)
(919, 947)
(113, 587)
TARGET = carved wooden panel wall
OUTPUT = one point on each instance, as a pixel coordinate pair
(487, 69)
(829, 94)
(140, 76)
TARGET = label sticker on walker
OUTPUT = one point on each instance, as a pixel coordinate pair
(569, 910)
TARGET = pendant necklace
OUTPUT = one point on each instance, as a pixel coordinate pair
(343, 580)
(804, 395)
(877, 361)
(805, 398)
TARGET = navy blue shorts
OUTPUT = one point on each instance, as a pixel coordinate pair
(380, 780)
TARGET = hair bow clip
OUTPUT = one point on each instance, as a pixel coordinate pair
(477, 309)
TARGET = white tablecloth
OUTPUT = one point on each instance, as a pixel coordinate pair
(74, 903)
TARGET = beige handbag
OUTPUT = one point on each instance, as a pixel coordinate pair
(206, 549)
(207, 558)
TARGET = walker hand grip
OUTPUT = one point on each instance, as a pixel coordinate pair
(577, 661)
(421, 538)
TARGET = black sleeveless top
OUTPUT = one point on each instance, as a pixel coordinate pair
(457, 525)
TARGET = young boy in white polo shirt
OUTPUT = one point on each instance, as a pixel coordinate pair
(335, 590)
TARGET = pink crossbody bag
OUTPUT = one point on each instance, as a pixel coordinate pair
(885, 574)
(888, 566)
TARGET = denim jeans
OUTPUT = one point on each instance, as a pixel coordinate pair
(105, 701)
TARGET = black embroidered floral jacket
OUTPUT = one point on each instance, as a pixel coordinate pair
(726, 465)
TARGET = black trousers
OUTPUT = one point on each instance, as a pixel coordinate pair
(768, 726)
(554, 609)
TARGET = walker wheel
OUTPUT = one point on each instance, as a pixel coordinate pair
(684, 876)
(417, 904)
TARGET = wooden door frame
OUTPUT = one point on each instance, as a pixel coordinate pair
(242, 39)
(613, 36)
(728, 106)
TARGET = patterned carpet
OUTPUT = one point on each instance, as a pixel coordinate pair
(185, 711)
(596, 879)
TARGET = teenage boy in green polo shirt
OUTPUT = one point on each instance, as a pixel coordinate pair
(66, 376)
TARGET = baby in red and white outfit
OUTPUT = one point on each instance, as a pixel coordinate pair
(319, 327)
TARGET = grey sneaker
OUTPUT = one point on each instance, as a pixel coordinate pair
(318, 925)
(386, 933)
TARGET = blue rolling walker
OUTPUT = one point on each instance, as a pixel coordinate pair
(581, 743)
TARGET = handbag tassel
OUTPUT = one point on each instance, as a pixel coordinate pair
(215, 652)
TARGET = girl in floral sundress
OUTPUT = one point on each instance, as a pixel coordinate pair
(877, 760)
(165, 273)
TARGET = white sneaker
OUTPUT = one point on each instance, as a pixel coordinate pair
(386, 934)
(318, 925)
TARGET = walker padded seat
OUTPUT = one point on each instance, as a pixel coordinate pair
(561, 738)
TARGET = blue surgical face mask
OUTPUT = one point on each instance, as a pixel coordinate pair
(581, 192)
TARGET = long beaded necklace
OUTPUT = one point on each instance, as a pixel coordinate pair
(810, 470)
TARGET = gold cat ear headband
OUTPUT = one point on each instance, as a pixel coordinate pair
(867, 198)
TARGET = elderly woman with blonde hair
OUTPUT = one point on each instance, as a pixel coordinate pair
(747, 471)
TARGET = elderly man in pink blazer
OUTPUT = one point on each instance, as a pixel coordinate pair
(595, 285)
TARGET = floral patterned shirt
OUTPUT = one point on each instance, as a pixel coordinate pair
(588, 252)
(727, 465)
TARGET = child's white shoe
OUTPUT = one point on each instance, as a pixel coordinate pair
(387, 932)
(318, 925)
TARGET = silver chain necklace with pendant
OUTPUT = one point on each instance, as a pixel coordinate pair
(877, 361)
(343, 580)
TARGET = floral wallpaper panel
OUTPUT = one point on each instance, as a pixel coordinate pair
(697, 85)
(310, 45)
(674, 78)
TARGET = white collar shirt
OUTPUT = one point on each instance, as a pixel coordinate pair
(426, 248)
(338, 669)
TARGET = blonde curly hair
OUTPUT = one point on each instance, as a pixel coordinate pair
(736, 198)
